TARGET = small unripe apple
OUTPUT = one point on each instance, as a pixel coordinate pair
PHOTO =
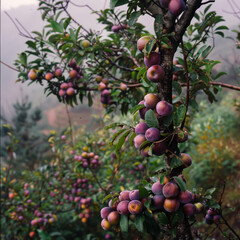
(85, 43)
(98, 79)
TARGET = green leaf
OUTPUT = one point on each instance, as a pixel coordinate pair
(143, 144)
(115, 135)
(136, 108)
(210, 191)
(66, 23)
(179, 115)
(56, 26)
(177, 87)
(177, 217)
(162, 218)
(107, 197)
(115, 125)
(143, 192)
(90, 101)
(158, 25)
(219, 75)
(138, 221)
(168, 119)
(31, 44)
(161, 180)
(131, 138)
(180, 183)
(43, 235)
(151, 119)
(176, 162)
(116, 3)
(150, 149)
(124, 223)
(133, 18)
(23, 59)
(149, 46)
(122, 140)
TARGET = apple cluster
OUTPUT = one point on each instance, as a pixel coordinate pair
(152, 134)
(85, 215)
(212, 216)
(76, 72)
(128, 203)
(88, 160)
(66, 89)
(169, 197)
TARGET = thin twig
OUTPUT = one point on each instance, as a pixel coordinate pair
(8, 66)
(221, 197)
(233, 231)
(207, 2)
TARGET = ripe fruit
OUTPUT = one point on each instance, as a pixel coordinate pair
(189, 209)
(70, 91)
(135, 207)
(73, 73)
(85, 43)
(141, 43)
(142, 111)
(72, 63)
(32, 74)
(105, 224)
(141, 128)
(58, 72)
(155, 73)
(152, 134)
(61, 93)
(48, 76)
(185, 197)
(164, 108)
(182, 139)
(186, 159)
(122, 207)
(113, 218)
(164, 3)
(159, 148)
(11, 195)
(115, 28)
(150, 100)
(154, 58)
(157, 188)
(101, 86)
(170, 190)
(134, 195)
(158, 201)
(176, 7)
(123, 87)
(138, 140)
(64, 86)
(209, 219)
(171, 205)
(31, 234)
(124, 195)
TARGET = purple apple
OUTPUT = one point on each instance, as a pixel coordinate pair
(154, 58)
(155, 73)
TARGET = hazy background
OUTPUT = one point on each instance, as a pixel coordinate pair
(26, 12)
